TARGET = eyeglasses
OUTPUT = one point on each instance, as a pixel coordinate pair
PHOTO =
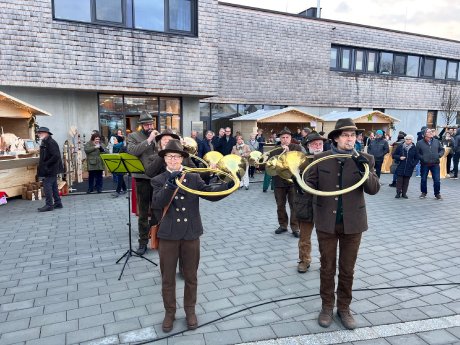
(348, 135)
(147, 124)
(175, 157)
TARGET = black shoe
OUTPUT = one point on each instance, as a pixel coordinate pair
(296, 233)
(123, 192)
(398, 195)
(265, 191)
(280, 230)
(392, 184)
(99, 191)
(141, 249)
(115, 195)
(58, 205)
(89, 191)
(404, 196)
(45, 208)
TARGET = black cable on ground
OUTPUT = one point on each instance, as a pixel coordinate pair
(292, 298)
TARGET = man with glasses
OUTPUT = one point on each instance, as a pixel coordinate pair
(429, 151)
(340, 220)
(142, 145)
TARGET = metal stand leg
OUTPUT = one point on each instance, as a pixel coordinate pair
(130, 252)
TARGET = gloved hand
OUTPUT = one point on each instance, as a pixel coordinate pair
(230, 184)
(359, 161)
(171, 182)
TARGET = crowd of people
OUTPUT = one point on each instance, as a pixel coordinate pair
(340, 220)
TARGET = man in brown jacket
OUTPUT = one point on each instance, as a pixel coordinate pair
(285, 190)
(340, 220)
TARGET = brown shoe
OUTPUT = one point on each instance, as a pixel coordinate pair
(303, 267)
(168, 322)
(347, 319)
(192, 322)
(325, 317)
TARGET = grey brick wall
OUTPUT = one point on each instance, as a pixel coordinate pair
(39, 52)
(270, 58)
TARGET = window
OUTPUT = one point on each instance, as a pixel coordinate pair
(428, 67)
(109, 11)
(400, 64)
(346, 59)
(452, 70)
(73, 10)
(440, 69)
(386, 63)
(149, 15)
(371, 61)
(359, 60)
(413, 64)
(333, 61)
(155, 15)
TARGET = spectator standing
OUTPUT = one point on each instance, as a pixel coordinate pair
(49, 165)
(253, 146)
(118, 147)
(429, 151)
(93, 150)
(378, 148)
(227, 142)
(405, 154)
(260, 139)
(399, 140)
(241, 149)
(456, 157)
(207, 144)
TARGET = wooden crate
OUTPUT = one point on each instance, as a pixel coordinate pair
(12, 180)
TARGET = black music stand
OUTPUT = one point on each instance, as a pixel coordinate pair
(125, 163)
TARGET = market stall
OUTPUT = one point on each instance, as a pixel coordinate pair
(18, 150)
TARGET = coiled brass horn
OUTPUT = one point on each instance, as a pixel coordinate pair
(209, 170)
(190, 145)
(267, 155)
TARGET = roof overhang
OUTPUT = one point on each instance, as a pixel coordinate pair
(12, 107)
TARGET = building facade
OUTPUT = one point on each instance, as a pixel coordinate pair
(97, 64)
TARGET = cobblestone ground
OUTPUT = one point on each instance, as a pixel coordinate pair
(59, 281)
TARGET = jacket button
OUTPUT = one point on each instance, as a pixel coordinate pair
(337, 185)
(184, 180)
(178, 220)
(182, 198)
(176, 197)
(334, 212)
(338, 174)
(185, 219)
(177, 210)
(336, 198)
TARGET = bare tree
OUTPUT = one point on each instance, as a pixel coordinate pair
(450, 103)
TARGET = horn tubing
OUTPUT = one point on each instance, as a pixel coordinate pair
(202, 193)
(310, 190)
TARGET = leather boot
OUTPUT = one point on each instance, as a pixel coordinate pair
(325, 317)
(398, 195)
(303, 267)
(168, 321)
(347, 319)
(190, 317)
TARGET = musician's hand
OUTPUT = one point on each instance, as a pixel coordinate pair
(285, 148)
(152, 136)
(402, 158)
(360, 160)
(297, 186)
(230, 184)
(171, 182)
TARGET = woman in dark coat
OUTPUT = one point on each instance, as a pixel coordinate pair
(179, 231)
(406, 157)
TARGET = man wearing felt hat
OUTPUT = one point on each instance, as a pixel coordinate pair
(340, 220)
(50, 164)
(378, 148)
(142, 145)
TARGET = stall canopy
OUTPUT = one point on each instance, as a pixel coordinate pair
(275, 120)
(368, 120)
(11, 107)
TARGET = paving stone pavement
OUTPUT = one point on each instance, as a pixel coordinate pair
(59, 281)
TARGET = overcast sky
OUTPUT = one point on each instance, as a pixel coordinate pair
(440, 18)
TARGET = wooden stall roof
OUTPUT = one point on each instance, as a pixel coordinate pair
(12, 107)
(372, 116)
(286, 115)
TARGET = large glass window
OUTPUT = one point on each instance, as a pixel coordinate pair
(440, 69)
(359, 60)
(109, 10)
(149, 14)
(413, 63)
(333, 60)
(180, 15)
(428, 67)
(371, 61)
(452, 70)
(73, 10)
(386, 63)
(156, 15)
(431, 118)
(399, 64)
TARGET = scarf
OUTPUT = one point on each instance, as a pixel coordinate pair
(407, 147)
(240, 149)
(336, 150)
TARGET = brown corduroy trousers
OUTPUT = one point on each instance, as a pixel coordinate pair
(169, 252)
(306, 229)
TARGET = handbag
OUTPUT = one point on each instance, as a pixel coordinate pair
(154, 240)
